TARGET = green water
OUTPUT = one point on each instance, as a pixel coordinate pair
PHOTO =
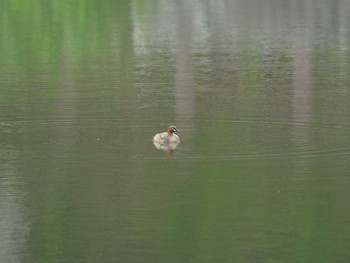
(259, 89)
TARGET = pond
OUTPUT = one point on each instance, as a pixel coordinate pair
(259, 90)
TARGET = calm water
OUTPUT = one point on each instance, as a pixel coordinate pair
(259, 89)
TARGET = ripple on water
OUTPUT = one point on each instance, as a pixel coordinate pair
(251, 139)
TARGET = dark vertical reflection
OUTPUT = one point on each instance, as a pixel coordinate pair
(184, 80)
(13, 220)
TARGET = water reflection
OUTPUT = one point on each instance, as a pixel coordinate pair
(14, 227)
(169, 148)
(259, 88)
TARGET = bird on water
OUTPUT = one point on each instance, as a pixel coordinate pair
(168, 137)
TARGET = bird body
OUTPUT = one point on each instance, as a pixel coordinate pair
(168, 137)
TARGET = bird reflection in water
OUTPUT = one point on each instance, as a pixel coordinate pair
(169, 148)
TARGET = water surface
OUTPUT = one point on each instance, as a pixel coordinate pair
(259, 89)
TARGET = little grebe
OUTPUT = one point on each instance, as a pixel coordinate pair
(168, 137)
